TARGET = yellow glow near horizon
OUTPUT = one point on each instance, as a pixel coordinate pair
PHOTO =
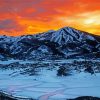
(89, 21)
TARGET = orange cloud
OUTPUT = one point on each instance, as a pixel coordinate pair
(18, 17)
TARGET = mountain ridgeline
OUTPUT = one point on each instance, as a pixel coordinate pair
(66, 42)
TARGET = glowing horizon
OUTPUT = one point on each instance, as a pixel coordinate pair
(36, 16)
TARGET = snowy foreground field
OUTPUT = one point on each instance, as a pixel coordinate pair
(46, 85)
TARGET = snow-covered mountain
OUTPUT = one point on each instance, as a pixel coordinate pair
(65, 42)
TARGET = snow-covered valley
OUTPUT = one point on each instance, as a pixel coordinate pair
(45, 84)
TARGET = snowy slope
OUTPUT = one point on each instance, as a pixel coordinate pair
(68, 34)
(47, 85)
(66, 42)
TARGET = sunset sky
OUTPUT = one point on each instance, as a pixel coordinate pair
(18, 17)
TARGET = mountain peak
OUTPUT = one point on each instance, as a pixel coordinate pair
(68, 27)
(70, 30)
(66, 34)
(66, 40)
